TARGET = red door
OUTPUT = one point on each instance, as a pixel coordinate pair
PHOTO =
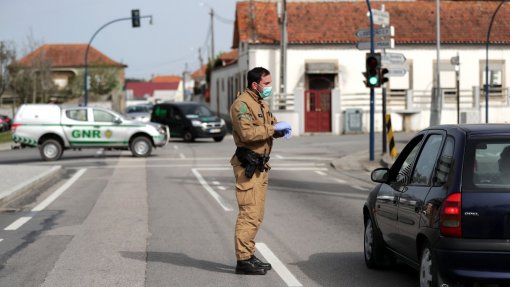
(318, 111)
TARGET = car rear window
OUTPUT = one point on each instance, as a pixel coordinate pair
(487, 165)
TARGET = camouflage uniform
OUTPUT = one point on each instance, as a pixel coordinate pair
(252, 125)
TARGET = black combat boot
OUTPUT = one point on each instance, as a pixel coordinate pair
(248, 267)
(259, 263)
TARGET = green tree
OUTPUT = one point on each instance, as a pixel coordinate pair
(102, 81)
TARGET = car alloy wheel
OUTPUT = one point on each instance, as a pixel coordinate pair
(369, 241)
(141, 147)
(426, 271)
(51, 150)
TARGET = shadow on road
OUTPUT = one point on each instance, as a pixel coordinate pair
(349, 269)
(178, 259)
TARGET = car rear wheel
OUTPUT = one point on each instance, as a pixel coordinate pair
(429, 277)
(218, 139)
(188, 136)
(141, 147)
(51, 150)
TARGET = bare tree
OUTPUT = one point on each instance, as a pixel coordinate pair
(7, 57)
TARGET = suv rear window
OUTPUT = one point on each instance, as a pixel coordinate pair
(487, 165)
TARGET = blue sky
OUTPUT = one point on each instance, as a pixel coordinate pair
(179, 29)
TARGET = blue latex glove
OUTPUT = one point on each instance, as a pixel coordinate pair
(281, 126)
(287, 134)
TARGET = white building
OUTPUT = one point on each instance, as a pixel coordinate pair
(325, 90)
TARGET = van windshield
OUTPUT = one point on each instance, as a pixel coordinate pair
(487, 165)
(192, 111)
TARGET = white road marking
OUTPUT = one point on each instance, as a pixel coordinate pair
(339, 180)
(216, 182)
(222, 187)
(41, 206)
(18, 223)
(221, 201)
(359, 187)
(58, 192)
(176, 147)
(277, 265)
(1, 239)
(181, 155)
(320, 173)
(278, 156)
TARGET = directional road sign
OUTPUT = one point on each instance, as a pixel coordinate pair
(382, 44)
(381, 17)
(393, 58)
(396, 71)
(379, 32)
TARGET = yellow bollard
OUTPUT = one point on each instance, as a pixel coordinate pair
(391, 140)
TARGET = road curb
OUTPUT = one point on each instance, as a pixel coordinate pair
(29, 185)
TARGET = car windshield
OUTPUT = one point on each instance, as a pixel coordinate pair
(196, 111)
(487, 165)
(139, 109)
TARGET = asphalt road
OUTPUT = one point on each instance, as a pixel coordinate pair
(168, 220)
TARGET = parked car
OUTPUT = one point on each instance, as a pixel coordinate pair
(140, 113)
(5, 122)
(189, 120)
(444, 207)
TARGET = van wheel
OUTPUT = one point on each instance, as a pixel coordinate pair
(218, 139)
(188, 137)
(51, 150)
(141, 147)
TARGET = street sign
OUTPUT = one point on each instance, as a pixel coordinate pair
(382, 44)
(379, 32)
(396, 71)
(381, 17)
(393, 58)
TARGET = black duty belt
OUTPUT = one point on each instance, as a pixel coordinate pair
(251, 161)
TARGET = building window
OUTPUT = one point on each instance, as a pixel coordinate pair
(497, 88)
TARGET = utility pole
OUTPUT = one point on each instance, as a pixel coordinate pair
(436, 100)
(212, 35)
(200, 59)
(282, 11)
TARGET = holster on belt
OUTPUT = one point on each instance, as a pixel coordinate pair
(251, 161)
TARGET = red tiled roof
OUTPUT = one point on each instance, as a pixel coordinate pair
(200, 72)
(68, 55)
(229, 57)
(166, 79)
(141, 89)
(462, 22)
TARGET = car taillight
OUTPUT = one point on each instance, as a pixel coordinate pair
(14, 126)
(450, 224)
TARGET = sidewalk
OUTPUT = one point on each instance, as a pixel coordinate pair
(360, 161)
(19, 180)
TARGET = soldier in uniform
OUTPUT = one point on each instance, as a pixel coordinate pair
(253, 129)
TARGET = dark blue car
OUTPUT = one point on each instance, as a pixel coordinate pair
(444, 207)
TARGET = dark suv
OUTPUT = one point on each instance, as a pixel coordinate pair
(444, 207)
(189, 120)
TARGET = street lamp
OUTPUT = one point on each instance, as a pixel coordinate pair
(135, 16)
(487, 63)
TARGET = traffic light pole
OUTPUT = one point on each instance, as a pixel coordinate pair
(372, 91)
(85, 77)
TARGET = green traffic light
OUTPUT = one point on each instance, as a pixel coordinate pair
(373, 80)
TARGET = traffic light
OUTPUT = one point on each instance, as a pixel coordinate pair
(373, 70)
(135, 18)
(383, 76)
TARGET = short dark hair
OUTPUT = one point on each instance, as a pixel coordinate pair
(256, 74)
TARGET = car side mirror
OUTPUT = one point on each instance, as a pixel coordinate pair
(117, 121)
(380, 175)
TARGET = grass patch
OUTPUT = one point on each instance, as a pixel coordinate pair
(5, 137)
